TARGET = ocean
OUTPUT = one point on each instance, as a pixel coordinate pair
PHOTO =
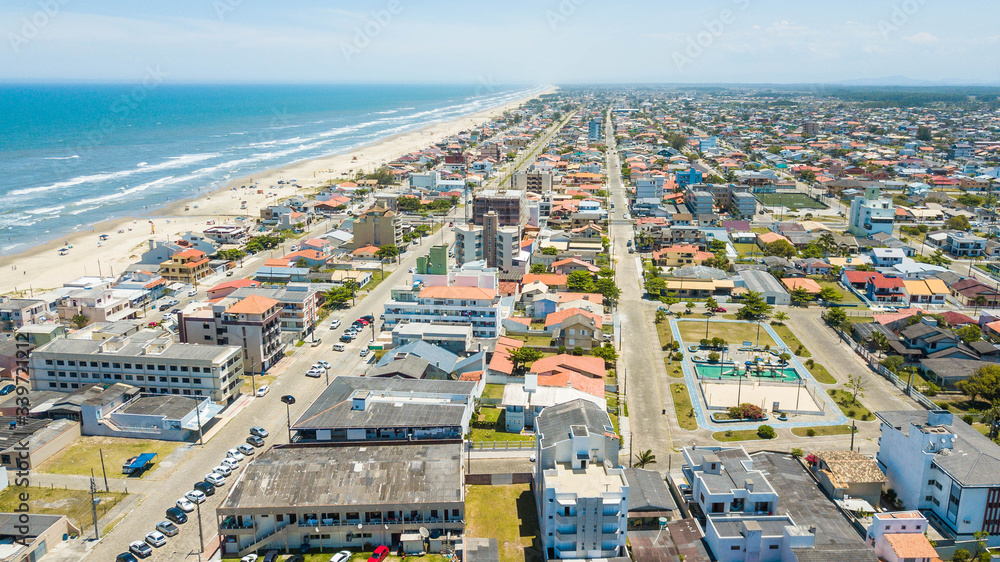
(75, 155)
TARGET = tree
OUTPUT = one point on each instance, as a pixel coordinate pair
(958, 222)
(607, 287)
(766, 432)
(689, 306)
(550, 251)
(745, 411)
(835, 317)
(580, 282)
(780, 248)
(606, 352)
(969, 333)
(523, 357)
(661, 315)
(984, 383)
(991, 418)
(643, 458)
(231, 254)
(780, 317)
(979, 300)
(606, 272)
(538, 268)
(387, 251)
(829, 294)
(856, 385)
(982, 541)
(711, 303)
(879, 341)
(655, 286)
(80, 320)
(924, 133)
(785, 357)
(894, 363)
(800, 295)
(669, 300)
(754, 307)
(961, 555)
(827, 242)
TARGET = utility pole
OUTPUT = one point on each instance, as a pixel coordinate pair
(93, 504)
(197, 413)
(201, 535)
(103, 470)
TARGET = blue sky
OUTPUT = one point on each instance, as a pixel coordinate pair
(513, 41)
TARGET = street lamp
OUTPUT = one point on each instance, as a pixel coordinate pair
(288, 399)
(201, 535)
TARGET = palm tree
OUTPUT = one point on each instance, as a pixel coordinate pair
(980, 300)
(780, 317)
(991, 418)
(880, 341)
(827, 242)
(642, 458)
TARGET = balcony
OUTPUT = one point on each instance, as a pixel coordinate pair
(566, 537)
(566, 519)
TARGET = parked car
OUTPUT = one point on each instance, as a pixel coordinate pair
(262, 391)
(7, 389)
(313, 373)
(247, 450)
(177, 515)
(298, 557)
(156, 538)
(342, 556)
(381, 551)
(140, 549)
(231, 463)
(185, 505)
(718, 309)
(215, 479)
(335, 323)
(346, 338)
(249, 558)
(364, 352)
(193, 292)
(222, 470)
(255, 441)
(316, 342)
(369, 317)
(126, 557)
(235, 455)
(204, 487)
(271, 556)
(339, 347)
(259, 432)
(325, 364)
(167, 528)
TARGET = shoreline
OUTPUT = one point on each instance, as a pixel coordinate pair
(40, 268)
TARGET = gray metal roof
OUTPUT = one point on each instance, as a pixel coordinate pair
(333, 408)
(555, 422)
(647, 491)
(12, 524)
(734, 474)
(169, 406)
(732, 526)
(380, 475)
(973, 460)
(133, 348)
(761, 281)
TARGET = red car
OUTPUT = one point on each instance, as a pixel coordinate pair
(380, 553)
(718, 309)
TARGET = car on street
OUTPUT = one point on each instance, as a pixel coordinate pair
(222, 470)
(335, 323)
(215, 479)
(346, 338)
(255, 441)
(185, 505)
(262, 391)
(204, 487)
(156, 538)
(196, 496)
(339, 347)
(140, 549)
(342, 556)
(126, 557)
(235, 455)
(177, 515)
(368, 317)
(231, 463)
(193, 293)
(364, 352)
(718, 309)
(381, 551)
(259, 432)
(247, 450)
(325, 364)
(314, 373)
(167, 528)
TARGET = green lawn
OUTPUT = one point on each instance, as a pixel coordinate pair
(682, 406)
(663, 333)
(533, 341)
(793, 343)
(493, 391)
(820, 373)
(673, 369)
(732, 332)
(845, 296)
(83, 455)
(851, 409)
(797, 200)
(747, 249)
(75, 504)
(376, 279)
(736, 435)
(506, 513)
(822, 430)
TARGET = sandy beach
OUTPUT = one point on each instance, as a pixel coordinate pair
(42, 268)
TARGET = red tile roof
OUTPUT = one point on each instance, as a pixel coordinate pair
(253, 304)
(585, 364)
(559, 316)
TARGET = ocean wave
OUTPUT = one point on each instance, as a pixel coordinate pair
(62, 157)
(45, 210)
(125, 192)
(141, 168)
(84, 210)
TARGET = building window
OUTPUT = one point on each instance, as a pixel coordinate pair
(772, 546)
(734, 547)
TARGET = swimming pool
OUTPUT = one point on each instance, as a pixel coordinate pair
(714, 371)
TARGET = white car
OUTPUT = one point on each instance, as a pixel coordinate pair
(335, 323)
(196, 496)
(185, 505)
(193, 292)
(249, 558)
(364, 352)
(222, 470)
(235, 455)
(342, 556)
(263, 390)
(325, 364)
(156, 539)
(247, 450)
(215, 479)
(231, 463)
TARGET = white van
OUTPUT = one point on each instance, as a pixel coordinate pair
(338, 347)
(335, 323)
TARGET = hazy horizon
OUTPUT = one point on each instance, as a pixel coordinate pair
(565, 42)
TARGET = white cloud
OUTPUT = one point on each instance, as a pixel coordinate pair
(922, 38)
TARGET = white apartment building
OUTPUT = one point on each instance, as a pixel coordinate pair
(723, 481)
(758, 538)
(252, 322)
(871, 214)
(448, 304)
(468, 243)
(148, 359)
(582, 492)
(942, 466)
